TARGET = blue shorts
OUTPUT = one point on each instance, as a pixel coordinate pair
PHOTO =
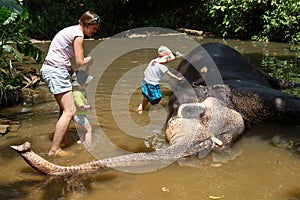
(151, 92)
(57, 79)
(82, 120)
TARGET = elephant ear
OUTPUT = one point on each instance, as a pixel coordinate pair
(190, 111)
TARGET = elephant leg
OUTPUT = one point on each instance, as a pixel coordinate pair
(280, 84)
(288, 110)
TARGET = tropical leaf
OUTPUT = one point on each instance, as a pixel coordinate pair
(14, 45)
(12, 5)
(10, 49)
(4, 15)
(10, 19)
(28, 49)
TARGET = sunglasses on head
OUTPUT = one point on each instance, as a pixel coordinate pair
(95, 19)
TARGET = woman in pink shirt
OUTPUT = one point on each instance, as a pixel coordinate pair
(56, 70)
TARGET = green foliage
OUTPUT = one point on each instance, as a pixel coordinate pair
(47, 17)
(263, 20)
(14, 45)
(166, 21)
(285, 68)
(273, 20)
(281, 22)
(236, 18)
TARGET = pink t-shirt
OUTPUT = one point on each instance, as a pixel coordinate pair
(61, 49)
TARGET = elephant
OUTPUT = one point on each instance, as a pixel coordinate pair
(253, 94)
(221, 97)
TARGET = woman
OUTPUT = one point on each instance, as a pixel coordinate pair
(56, 70)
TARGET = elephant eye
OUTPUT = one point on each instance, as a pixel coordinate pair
(190, 111)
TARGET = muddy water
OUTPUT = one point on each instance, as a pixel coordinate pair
(254, 169)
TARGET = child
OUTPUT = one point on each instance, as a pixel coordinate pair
(153, 75)
(80, 81)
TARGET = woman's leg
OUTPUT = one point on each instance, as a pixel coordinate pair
(65, 139)
(66, 103)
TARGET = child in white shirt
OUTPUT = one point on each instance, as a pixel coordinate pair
(153, 75)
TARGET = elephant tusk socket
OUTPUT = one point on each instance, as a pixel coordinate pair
(216, 141)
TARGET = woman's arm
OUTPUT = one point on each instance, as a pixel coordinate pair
(81, 61)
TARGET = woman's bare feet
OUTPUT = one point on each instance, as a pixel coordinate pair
(58, 152)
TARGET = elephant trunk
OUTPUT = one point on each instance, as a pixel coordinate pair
(169, 154)
(48, 168)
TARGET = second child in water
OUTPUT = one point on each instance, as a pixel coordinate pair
(80, 82)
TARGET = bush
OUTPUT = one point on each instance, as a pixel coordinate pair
(264, 20)
(13, 47)
(236, 19)
(281, 22)
(273, 20)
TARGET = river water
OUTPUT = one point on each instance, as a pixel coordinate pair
(254, 169)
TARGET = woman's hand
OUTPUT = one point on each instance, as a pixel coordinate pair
(88, 61)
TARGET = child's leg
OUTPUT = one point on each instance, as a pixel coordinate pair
(142, 105)
(81, 132)
(88, 133)
(80, 122)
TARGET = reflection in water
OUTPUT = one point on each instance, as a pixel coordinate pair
(75, 187)
(254, 169)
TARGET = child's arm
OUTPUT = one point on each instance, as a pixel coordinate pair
(174, 76)
(79, 101)
(84, 107)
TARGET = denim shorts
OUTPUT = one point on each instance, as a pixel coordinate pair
(57, 79)
(82, 120)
